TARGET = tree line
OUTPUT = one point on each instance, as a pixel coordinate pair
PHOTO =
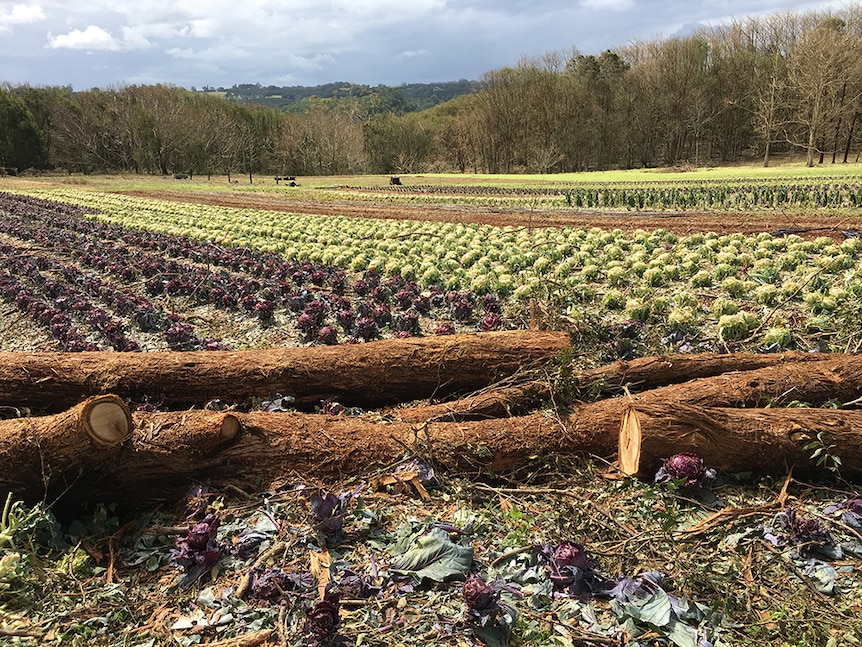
(759, 86)
(408, 97)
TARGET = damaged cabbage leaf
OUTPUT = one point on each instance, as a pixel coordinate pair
(197, 552)
(643, 600)
(433, 555)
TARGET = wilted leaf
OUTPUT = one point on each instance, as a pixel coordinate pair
(434, 556)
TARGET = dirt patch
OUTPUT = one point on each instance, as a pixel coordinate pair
(681, 223)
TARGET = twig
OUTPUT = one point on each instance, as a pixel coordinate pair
(631, 532)
(511, 553)
(245, 582)
(22, 633)
(112, 549)
(237, 490)
(731, 514)
(248, 640)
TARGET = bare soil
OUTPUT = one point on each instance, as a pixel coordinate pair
(681, 223)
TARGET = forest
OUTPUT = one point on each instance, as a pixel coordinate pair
(408, 97)
(749, 88)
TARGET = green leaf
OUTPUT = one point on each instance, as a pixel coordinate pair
(681, 634)
(434, 556)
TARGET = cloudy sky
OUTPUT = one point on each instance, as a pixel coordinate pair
(99, 43)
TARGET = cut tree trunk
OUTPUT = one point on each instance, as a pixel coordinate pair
(168, 449)
(739, 440)
(835, 377)
(37, 451)
(646, 373)
(831, 377)
(364, 375)
(637, 375)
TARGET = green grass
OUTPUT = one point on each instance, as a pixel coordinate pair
(780, 170)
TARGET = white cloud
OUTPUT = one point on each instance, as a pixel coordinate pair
(144, 36)
(613, 5)
(92, 38)
(20, 14)
(415, 53)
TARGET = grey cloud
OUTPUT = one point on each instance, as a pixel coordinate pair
(220, 42)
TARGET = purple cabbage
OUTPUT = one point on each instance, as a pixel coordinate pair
(367, 329)
(572, 571)
(327, 335)
(687, 468)
(445, 329)
(353, 585)
(269, 585)
(490, 322)
(322, 620)
(481, 599)
(805, 533)
(329, 512)
(198, 551)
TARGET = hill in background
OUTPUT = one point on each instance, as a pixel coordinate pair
(408, 97)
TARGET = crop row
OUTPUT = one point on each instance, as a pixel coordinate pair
(662, 197)
(723, 287)
(313, 298)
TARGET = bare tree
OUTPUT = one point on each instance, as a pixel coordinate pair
(820, 68)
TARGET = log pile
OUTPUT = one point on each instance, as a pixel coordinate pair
(728, 408)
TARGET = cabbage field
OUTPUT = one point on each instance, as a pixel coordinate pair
(132, 273)
(506, 532)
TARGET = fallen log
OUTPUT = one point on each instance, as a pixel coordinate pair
(645, 373)
(46, 449)
(364, 375)
(830, 377)
(167, 449)
(738, 440)
(835, 377)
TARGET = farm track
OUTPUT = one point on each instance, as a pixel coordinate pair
(681, 223)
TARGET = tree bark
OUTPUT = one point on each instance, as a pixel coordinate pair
(645, 373)
(834, 377)
(365, 375)
(502, 402)
(37, 451)
(739, 440)
(637, 375)
(168, 449)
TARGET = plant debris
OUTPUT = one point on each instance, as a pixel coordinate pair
(562, 557)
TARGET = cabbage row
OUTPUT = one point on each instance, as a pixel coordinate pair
(785, 291)
(700, 196)
(138, 278)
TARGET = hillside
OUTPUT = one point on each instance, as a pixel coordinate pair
(407, 97)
